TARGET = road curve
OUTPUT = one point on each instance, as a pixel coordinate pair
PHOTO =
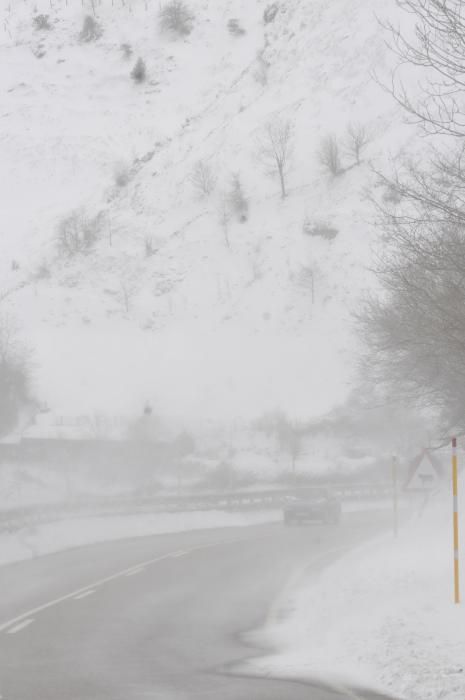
(158, 617)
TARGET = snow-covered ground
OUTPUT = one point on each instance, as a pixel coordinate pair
(212, 320)
(109, 327)
(37, 540)
(382, 616)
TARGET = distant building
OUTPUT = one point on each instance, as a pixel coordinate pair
(64, 439)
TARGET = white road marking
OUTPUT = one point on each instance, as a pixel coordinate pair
(84, 595)
(100, 582)
(73, 594)
(135, 572)
(21, 626)
(20, 619)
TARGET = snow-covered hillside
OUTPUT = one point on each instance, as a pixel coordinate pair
(178, 302)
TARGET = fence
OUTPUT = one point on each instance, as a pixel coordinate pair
(15, 518)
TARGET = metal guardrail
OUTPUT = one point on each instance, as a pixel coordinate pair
(16, 518)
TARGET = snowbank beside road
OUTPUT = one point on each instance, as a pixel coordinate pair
(383, 616)
(46, 538)
(37, 539)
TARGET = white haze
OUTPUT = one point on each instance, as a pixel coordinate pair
(233, 330)
(211, 324)
(186, 374)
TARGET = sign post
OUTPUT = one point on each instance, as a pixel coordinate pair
(455, 521)
(395, 504)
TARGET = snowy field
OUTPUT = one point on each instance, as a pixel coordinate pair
(382, 616)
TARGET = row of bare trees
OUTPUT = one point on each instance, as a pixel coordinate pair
(275, 150)
(174, 17)
(415, 326)
(331, 152)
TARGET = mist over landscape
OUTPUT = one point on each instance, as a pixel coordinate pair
(232, 331)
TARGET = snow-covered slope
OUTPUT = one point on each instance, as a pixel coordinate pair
(383, 616)
(199, 327)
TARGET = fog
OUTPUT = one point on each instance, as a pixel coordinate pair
(225, 375)
(232, 327)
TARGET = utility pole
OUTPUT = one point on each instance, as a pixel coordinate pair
(395, 498)
(455, 521)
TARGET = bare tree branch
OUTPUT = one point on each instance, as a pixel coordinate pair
(202, 178)
(275, 150)
(356, 140)
(329, 155)
(437, 50)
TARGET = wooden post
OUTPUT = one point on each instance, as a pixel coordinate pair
(455, 521)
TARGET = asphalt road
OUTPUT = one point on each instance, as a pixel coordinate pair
(158, 617)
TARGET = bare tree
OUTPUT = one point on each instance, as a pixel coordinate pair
(356, 141)
(224, 212)
(127, 290)
(202, 178)
(437, 53)
(237, 200)
(15, 374)
(270, 12)
(78, 233)
(179, 449)
(41, 22)
(176, 18)
(149, 247)
(329, 155)
(415, 328)
(275, 150)
(288, 433)
(91, 30)
(291, 439)
(432, 190)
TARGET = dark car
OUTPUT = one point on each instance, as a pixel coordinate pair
(316, 504)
